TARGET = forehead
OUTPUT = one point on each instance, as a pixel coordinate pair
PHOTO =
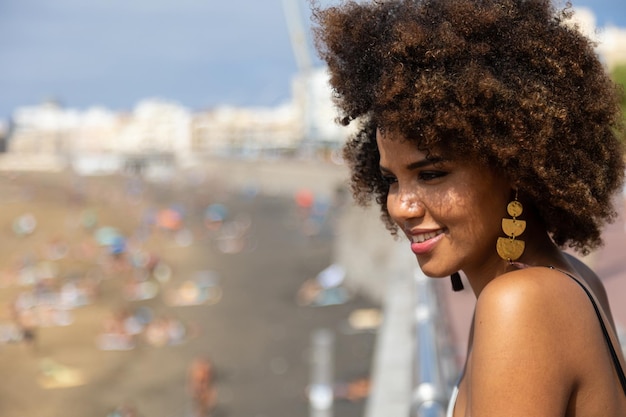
(396, 147)
(397, 152)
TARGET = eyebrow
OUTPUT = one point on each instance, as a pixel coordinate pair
(417, 164)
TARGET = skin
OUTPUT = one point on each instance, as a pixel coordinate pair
(531, 324)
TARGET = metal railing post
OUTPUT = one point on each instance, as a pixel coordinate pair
(430, 391)
(321, 395)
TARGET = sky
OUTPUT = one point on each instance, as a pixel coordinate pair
(197, 53)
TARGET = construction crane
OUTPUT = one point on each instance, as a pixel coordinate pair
(298, 35)
(304, 61)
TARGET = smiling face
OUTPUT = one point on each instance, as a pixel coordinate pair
(451, 211)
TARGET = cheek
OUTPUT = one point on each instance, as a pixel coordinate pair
(454, 206)
(476, 217)
(490, 209)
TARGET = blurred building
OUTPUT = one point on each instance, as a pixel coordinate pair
(235, 131)
(98, 139)
(45, 129)
(155, 127)
(158, 130)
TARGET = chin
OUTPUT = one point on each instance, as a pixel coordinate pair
(435, 272)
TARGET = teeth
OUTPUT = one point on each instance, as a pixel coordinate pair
(425, 236)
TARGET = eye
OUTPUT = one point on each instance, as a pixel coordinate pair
(431, 175)
(389, 179)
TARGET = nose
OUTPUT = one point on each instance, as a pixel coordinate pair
(404, 205)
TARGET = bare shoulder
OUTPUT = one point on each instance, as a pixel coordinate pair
(526, 342)
(529, 294)
(534, 304)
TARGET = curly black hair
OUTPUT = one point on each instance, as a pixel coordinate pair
(507, 83)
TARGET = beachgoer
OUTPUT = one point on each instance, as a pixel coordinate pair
(201, 387)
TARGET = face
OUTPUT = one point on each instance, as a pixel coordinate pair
(451, 211)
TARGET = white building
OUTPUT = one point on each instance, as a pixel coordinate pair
(95, 131)
(45, 129)
(228, 130)
(155, 127)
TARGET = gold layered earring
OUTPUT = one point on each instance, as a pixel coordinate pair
(509, 248)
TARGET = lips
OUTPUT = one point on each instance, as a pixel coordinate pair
(422, 243)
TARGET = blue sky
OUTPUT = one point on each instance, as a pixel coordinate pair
(199, 53)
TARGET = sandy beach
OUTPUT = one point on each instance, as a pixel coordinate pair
(198, 269)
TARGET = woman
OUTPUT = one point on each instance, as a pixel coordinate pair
(489, 135)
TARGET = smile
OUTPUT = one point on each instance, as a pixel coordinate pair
(424, 243)
(422, 237)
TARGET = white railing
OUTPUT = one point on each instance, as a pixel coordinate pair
(414, 367)
(431, 362)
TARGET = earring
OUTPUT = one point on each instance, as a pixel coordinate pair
(509, 248)
(457, 284)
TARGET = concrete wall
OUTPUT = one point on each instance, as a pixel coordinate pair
(368, 252)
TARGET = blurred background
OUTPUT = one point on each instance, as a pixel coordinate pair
(176, 234)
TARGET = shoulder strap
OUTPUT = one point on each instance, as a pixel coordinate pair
(605, 331)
